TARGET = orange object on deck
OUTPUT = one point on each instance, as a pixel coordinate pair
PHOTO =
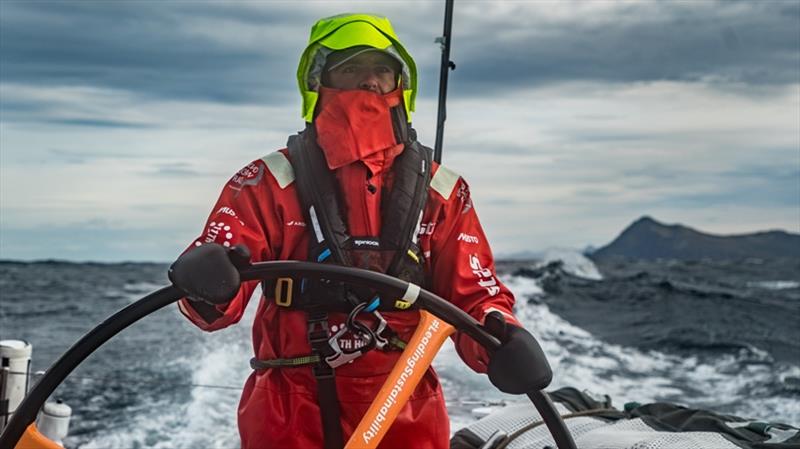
(32, 439)
(402, 381)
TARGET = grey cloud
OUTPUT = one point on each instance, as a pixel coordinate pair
(498, 200)
(93, 241)
(20, 108)
(761, 186)
(722, 43)
(174, 170)
(202, 51)
(762, 194)
(477, 146)
(597, 136)
(83, 156)
(98, 123)
(66, 156)
(142, 47)
(765, 171)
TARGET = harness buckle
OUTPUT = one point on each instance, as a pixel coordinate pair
(322, 371)
(340, 357)
(283, 291)
(317, 332)
(359, 330)
(380, 341)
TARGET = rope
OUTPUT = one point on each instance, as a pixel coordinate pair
(510, 438)
(127, 381)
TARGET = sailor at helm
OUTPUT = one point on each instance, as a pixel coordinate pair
(354, 188)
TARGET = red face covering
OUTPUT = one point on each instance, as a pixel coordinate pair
(355, 125)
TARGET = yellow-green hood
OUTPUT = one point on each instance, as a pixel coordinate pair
(344, 31)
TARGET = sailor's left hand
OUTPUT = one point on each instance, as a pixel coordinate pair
(519, 365)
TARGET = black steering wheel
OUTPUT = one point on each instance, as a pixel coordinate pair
(30, 406)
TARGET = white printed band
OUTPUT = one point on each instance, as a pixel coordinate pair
(315, 223)
(412, 293)
(415, 236)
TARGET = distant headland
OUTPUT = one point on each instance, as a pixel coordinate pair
(647, 238)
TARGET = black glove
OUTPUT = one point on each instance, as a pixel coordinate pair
(519, 365)
(209, 272)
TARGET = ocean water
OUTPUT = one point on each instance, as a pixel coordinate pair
(716, 335)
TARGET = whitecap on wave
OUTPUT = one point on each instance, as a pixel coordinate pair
(730, 383)
(207, 416)
(774, 285)
(574, 263)
(734, 383)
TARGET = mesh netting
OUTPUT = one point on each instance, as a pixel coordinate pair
(635, 434)
(592, 433)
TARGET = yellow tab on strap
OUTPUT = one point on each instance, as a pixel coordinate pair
(402, 305)
(413, 256)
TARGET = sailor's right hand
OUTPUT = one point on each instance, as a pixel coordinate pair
(209, 272)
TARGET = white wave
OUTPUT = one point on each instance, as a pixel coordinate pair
(523, 287)
(207, 418)
(774, 285)
(211, 413)
(131, 291)
(210, 419)
(574, 262)
(723, 383)
(577, 357)
(141, 287)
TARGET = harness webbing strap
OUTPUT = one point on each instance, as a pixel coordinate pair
(401, 213)
(295, 362)
(408, 194)
(329, 408)
(257, 364)
(326, 383)
(317, 188)
(397, 342)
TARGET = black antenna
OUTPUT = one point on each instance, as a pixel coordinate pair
(444, 71)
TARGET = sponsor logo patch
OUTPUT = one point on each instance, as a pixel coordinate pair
(248, 176)
(463, 195)
(366, 242)
(216, 232)
(485, 276)
(227, 211)
(348, 341)
(468, 238)
(426, 228)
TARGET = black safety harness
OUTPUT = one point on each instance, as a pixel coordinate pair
(395, 252)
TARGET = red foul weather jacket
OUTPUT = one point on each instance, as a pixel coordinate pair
(259, 208)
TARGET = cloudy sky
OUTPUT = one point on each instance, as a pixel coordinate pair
(121, 121)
